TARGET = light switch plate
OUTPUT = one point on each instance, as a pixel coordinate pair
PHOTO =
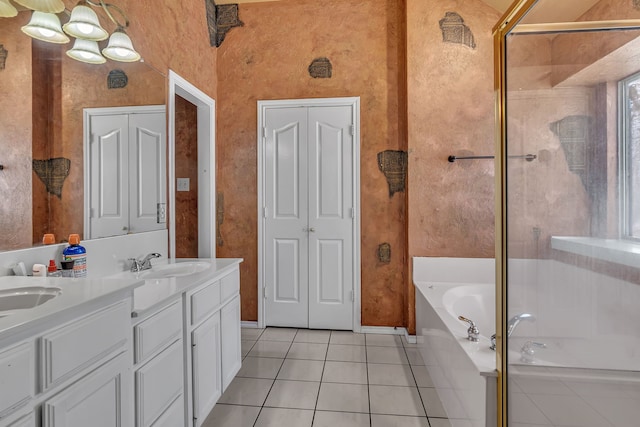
(182, 184)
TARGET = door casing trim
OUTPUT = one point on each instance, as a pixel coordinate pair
(354, 103)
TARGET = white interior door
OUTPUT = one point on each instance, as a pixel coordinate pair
(308, 217)
(109, 171)
(147, 165)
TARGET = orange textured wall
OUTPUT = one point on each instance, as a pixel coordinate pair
(186, 167)
(15, 137)
(450, 112)
(268, 59)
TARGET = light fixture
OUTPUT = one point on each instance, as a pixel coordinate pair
(84, 24)
(120, 47)
(47, 6)
(86, 51)
(7, 10)
(45, 27)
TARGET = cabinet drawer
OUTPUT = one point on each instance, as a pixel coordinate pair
(204, 302)
(230, 284)
(158, 384)
(77, 346)
(17, 382)
(157, 331)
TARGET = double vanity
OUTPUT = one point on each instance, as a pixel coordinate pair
(153, 348)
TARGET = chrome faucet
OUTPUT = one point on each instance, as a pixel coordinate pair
(143, 264)
(473, 334)
(515, 320)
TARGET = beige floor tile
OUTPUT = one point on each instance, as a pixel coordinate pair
(232, 416)
(250, 334)
(443, 422)
(393, 400)
(276, 349)
(278, 334)
(345, 372)
(393, 355)
(386, 374)
(347, 338)
(347, 353)
(432, 403)
(301, 370)
(384, 340)
(398, 421)
(340, 419)
(343, 398)
(247, 391)
(414, 357)
(280, 417)
(313, 336)
(293, 394)
(307, 351)
(260, 367)
(246, 347)
(421, 375)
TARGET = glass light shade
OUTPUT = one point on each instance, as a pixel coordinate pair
(84, 24)
(120, 48)
(45, 27)
(46, 6)
(86, 51)
(7, 10)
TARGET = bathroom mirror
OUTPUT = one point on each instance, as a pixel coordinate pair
(44, 95)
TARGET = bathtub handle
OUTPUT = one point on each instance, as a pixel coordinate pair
(473, 334)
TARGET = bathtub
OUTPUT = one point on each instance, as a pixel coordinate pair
(463, 372)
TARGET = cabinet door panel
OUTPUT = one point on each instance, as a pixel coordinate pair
(17, 382)
(207, 384)
(101, 399)
(231, 345)
(159, 383)
(173, 416)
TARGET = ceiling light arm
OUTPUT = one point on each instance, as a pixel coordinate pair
(106, 7)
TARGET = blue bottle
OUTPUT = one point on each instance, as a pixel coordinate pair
(78, 254)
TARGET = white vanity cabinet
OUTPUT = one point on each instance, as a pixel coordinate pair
(73, 370)
(159, 367)
(213, 328)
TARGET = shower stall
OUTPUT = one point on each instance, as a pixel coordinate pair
(568, 213)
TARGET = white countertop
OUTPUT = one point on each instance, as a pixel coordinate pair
(76, 293)
(155, 292)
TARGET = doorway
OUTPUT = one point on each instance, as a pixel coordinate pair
(204, 183)
(308, 191)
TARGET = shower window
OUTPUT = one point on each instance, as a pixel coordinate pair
(630, 156)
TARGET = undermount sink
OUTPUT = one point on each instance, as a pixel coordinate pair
(179, 269)
(26, 297)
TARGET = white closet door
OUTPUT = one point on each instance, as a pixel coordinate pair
(330, 218)
(286, 238)
(109, 157)
(308, 253)
(147, 154)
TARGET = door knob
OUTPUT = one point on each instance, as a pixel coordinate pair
(312, 230)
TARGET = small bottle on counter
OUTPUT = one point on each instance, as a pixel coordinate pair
(78, 254)
(52, 269)
(67, 268)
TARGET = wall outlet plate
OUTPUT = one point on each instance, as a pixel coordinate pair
(182, 184)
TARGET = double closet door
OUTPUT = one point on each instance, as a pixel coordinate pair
(308, 217)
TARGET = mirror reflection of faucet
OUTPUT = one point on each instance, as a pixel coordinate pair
(138, 265)
(528, 351)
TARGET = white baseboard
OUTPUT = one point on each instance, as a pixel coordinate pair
(389, 330)
(249, 325)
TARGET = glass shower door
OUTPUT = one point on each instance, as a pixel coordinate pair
(571, 254)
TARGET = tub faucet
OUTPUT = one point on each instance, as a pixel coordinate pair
(143, 264)
(473, 334)
(515, 320)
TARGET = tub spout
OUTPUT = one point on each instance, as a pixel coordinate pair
(515, 320)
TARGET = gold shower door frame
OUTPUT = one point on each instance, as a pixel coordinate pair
(508, 24)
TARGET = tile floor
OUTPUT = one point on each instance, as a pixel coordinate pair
(305, 378)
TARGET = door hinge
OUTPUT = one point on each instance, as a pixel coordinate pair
(352, 212)
(264, 131)
(265, 212)
(352, 130)
(351, 295)
(92, 213)
(264, 291)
